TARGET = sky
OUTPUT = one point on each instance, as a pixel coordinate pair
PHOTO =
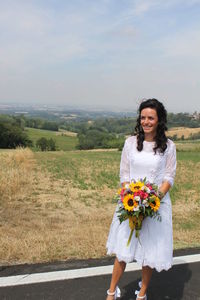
(100, 54)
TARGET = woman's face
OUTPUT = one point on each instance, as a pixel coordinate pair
(149, 121)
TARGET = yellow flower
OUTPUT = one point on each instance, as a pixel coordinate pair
(136, 186)
(157, 201)
(119, 191)
(129, 202)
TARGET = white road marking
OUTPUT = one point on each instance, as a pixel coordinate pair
(81, 273)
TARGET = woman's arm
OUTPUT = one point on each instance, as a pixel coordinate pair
(125, 165)
(164, 188)
(170, 170)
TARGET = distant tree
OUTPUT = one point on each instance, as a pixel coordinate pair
(175, 137)
(12, 136)
(50, 126)
(19, 121)
(41, 124)
(183, 120)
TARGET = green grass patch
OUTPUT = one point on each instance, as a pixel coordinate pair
(188, 155)
(173, 193)
(188, 225)
(63, 142)
(86, 170)
(94, 170)
(188, 146)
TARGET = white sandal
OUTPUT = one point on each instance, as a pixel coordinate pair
(140, 297)
(116, 293)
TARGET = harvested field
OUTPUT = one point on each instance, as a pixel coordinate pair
(182, 131)
(58, 205)
(66, 132)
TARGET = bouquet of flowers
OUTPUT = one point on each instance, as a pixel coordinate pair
(136, 201)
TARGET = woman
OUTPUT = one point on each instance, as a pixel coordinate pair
(146, 154)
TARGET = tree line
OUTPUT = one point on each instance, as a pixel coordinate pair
(98, 133)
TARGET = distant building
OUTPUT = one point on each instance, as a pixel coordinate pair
(196, 116)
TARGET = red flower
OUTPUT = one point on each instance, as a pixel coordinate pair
(141, 194)
(122, 192)
(136, 193)
(149, 186)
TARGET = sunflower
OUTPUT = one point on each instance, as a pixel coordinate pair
(157, 203)
(136, 186)
(155, 206)
(129, 202)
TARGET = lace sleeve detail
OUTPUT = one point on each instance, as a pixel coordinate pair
(125, 164)
(170, 169)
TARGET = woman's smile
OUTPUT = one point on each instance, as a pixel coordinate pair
(149, 122)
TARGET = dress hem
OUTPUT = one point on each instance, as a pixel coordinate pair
(142, 262)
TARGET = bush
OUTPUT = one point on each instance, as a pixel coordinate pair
(98, 138)
(194, 136)
(51, 144)
(46, 144)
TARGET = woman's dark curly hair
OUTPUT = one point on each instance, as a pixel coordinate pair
(160, 138)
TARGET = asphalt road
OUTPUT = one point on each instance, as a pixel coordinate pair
(180, 282)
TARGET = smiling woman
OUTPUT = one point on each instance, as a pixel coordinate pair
(148, 154)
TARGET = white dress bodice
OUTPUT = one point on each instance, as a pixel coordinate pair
(140, 164)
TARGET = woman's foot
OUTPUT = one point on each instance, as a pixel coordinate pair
(109, 297)
(140, 295)
(113, 295)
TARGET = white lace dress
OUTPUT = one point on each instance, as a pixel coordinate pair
(155, 248)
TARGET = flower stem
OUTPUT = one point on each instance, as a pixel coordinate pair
(130, 236)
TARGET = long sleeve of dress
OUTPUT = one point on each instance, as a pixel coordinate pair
(125, 164)
(170, 170)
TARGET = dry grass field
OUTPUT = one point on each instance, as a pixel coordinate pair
(66, 132)
(180, 131)
(58, 205)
